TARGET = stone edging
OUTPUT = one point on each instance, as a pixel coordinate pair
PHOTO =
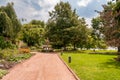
(75, 76)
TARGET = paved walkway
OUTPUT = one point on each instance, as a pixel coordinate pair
(40, 67)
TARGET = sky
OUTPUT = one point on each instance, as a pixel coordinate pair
(38, 9)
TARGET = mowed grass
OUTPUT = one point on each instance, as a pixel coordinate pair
(94, 66)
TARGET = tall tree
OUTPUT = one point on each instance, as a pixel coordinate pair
(116, 14)
(79, 34)
(9, 10)
(61, 20)
(111, 22)
(6, 29)
(98, 37)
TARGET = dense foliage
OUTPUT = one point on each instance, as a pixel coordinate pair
(6, 29)
(33, 33)
(96, 34)
(6, 44)
(65, 27)
(9, 22)
(110, 23)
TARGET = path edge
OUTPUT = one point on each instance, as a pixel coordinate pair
(21, 62)
(75, 76)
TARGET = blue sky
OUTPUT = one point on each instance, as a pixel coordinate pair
(38, 9)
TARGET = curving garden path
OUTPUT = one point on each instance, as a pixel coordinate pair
(40, 67)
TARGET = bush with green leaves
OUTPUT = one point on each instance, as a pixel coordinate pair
(8, 53)
(13, 55)
(33, 34)
(3, 72)
(19, 57)
(6, 44)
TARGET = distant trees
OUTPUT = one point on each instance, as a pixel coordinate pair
(98, 37)
(39, 23)
(33, 33)
(64, 28)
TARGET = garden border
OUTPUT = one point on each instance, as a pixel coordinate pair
(23, 61)
(75, 76)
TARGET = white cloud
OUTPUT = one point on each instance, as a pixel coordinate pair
(98, 0)
(83, 3)
(46, 6)
(109, 0)
(27, 8)
(38, 9)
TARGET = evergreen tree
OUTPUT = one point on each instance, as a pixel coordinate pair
(16, 25)
(6, 28)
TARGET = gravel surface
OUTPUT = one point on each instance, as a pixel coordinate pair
(40, 67)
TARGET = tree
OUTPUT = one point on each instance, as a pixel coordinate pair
(6, 29)
(38, 22)
(33, 34)
(98, 37)
(111, 21)
(16, 25)
(116, 13)
(79, 34)
(62, 20)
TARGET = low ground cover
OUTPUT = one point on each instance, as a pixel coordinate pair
(3, 72)
(9, 58)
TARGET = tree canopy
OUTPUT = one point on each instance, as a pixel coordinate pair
(110, 27)
(6, 28)
(13, 25)
(97, 35)
(33, 33)
(65, 25)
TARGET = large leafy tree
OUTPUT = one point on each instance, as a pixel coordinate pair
(111, 24)
(79, 34)
(63, 25)
(61, 17)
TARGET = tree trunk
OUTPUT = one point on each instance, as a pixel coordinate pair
(65, 49)
(119, 50)
(64, 46)
(118, 58)
(74, 47)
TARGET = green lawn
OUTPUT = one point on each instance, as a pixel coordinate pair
(94, 66)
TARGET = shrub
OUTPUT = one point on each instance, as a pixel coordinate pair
(19, 57)
(3, 72)
(33, 48)
(7, 53)
(24, 50)
(6, 44)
